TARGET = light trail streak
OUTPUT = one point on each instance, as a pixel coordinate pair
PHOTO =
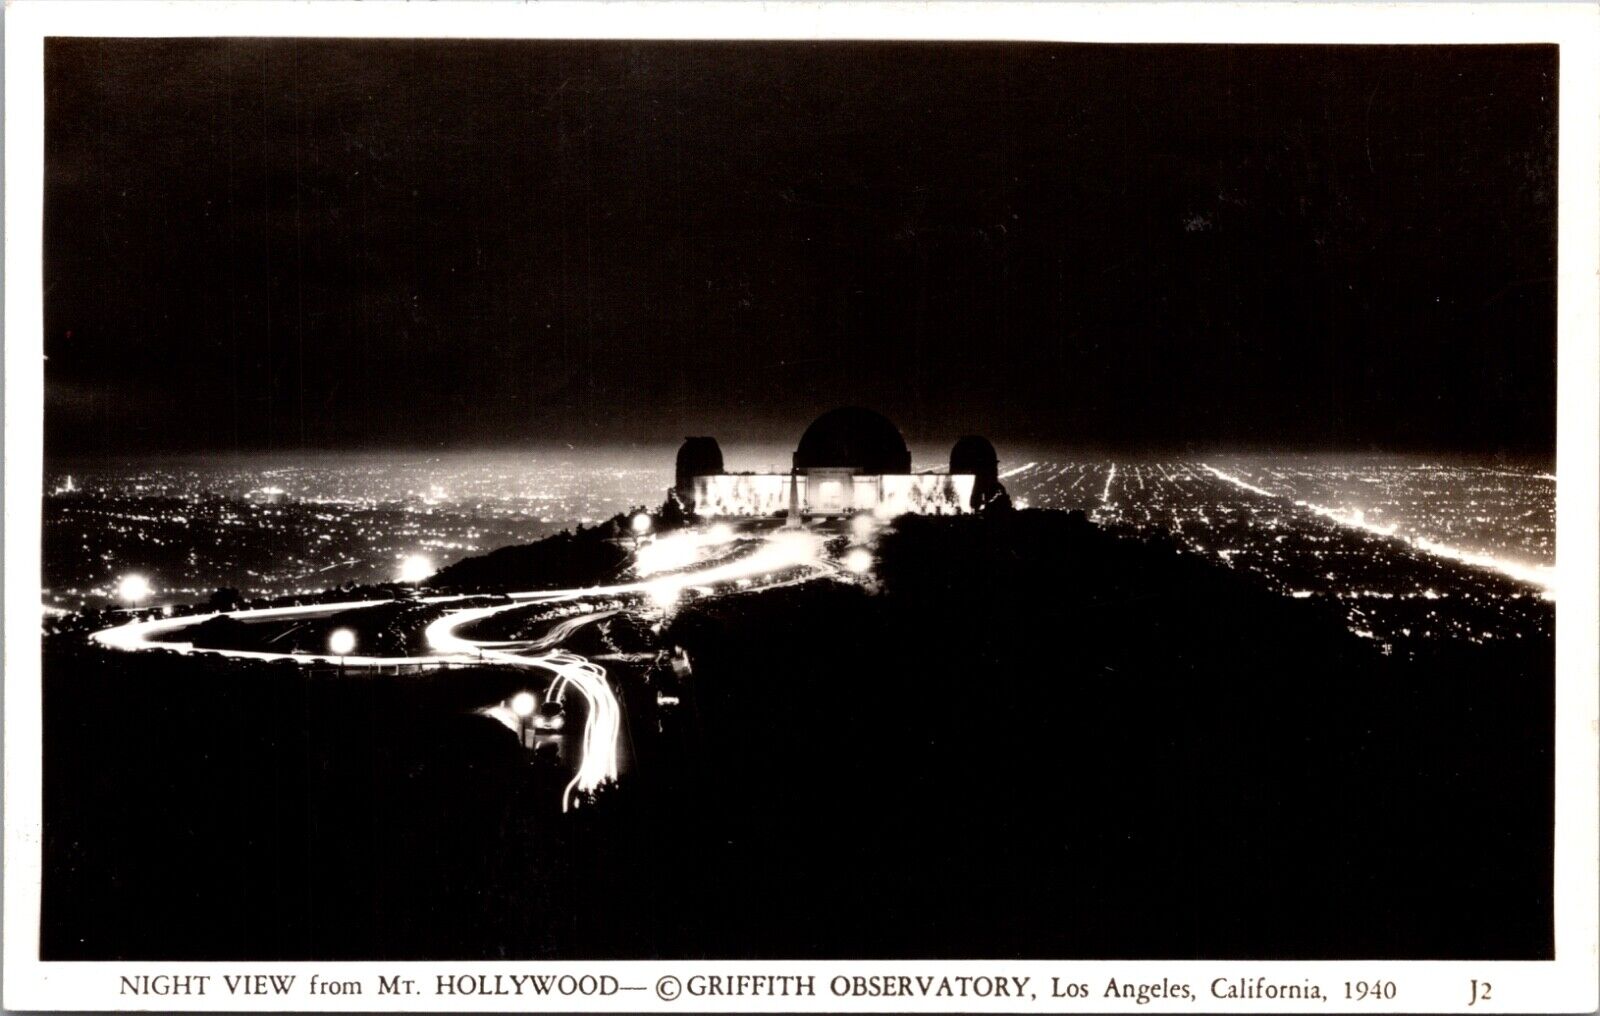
(597, 761)
(1550, 477)
(1018, 471)
(1243, 484)
(137, 635)
(1541, 576)
(1105, 495)
(681, 549)
(780, 551)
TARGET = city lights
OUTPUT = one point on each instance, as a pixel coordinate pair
(318, 524)
(1375, 531)
(1540, 576)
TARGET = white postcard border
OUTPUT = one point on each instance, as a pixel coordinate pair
(1567, 984)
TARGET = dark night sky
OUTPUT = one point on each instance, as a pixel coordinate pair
(336, 244)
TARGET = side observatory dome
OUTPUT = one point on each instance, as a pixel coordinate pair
(976, 456)
(698, 456)
(856, 439)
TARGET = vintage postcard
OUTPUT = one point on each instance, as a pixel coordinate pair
(801, 507)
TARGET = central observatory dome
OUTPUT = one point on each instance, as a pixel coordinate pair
(855, 439)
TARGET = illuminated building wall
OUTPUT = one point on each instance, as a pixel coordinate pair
(927, 493)
(832, 492)
(748, 494)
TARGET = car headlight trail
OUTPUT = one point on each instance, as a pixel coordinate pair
(448, 645)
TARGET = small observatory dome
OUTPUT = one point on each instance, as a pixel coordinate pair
(856, 439)
(698, 456)
(976, 456)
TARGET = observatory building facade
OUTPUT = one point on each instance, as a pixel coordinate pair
(849, 460)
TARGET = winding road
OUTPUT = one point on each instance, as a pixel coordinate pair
(776, 553)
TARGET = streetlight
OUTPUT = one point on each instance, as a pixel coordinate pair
(863, 526)
(664, 593)
(415, 568)
(859, 560)
(341, 643)
(523, 704)
(133, 588)
(640, 526)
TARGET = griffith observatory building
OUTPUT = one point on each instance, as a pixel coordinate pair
(849, 460)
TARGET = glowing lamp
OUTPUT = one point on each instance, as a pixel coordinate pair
(133, 588)
(342, 642)
(859, 560)
(415, 568)
(862, 527)
(664, 592)
(667, 553)
(641, 524)
(523, 704)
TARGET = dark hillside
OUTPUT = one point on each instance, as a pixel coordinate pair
(1041, 740)
(565, 560)
(198, 808)
(1033, 739)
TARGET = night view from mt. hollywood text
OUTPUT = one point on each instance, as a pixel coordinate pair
(575, 537)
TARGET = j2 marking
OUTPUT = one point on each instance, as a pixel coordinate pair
(1480, 992)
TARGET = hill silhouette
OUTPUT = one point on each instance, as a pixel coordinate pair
(585, 557)
(1042, 740)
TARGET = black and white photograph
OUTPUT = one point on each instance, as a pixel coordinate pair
(606, 499)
